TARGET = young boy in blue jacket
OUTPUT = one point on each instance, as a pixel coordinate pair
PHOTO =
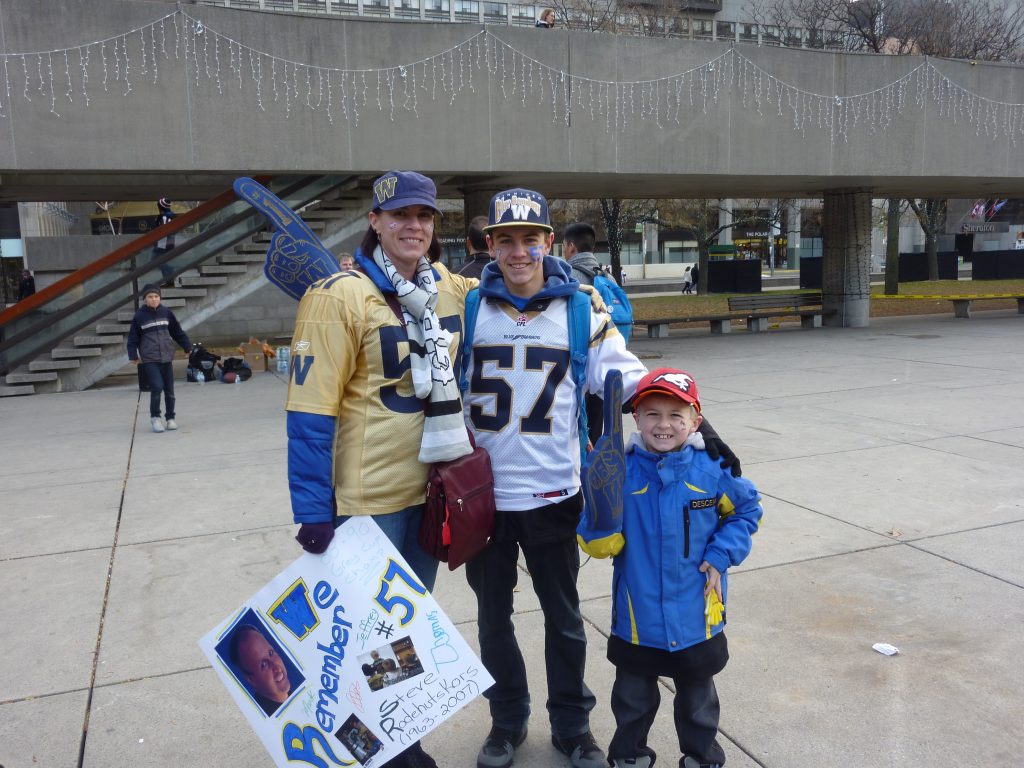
(684, 521)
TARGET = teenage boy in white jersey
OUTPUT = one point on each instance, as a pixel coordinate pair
(522, 408)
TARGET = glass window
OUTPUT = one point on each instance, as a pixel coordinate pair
(748, 33)
(725, 30)
(407, 8)
(436, 9)
(702, 29)
(794, 37)
(467, 10)
(680, 27)
(376, 7)
(495, 12)
(771, 35)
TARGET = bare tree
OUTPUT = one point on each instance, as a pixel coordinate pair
(931, 215)
(590, 15)
(978, 30)
(990, 30)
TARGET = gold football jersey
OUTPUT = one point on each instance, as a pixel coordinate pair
(350, 359)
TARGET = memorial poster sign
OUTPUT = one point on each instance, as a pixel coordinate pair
(344, 658)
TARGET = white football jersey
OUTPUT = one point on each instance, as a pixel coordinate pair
(521, 403)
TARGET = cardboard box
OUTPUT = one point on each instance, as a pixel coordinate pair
(253, 354)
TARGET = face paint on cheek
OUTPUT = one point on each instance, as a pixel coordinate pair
(536, 253)
(497, 253)
(393, 225)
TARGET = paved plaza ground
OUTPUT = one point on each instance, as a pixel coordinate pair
(890, 458)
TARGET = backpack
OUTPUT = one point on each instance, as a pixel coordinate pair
(618, 304)
(201, 359)
(237, 366)
(579, 344)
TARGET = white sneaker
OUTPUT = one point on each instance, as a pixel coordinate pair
(158, 425)
(172, 424)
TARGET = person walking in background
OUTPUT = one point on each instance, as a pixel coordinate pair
(26, 286)
(687, 281)
(164, 244)
(151, 338)
(346, 261)
(476, 245)
(546, 19)
(695, 278)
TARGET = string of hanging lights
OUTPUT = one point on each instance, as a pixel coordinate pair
(215, 60)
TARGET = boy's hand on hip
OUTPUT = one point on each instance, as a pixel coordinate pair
(714, 579)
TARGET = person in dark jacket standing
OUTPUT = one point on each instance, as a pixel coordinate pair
(26, 286)
(164, 244)
(151, 339)
(476, 244)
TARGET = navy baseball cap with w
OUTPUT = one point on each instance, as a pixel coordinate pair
(516, 208)
(397, 189)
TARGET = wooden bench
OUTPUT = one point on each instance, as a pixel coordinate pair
(757, 308)
(754, 309)
(962, 303)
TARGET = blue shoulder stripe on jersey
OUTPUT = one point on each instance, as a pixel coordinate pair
(311, 466)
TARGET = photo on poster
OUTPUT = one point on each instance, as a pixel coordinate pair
(390, 664)
(258, 661)
(359, 740)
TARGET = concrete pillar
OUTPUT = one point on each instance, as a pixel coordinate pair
(725, 217)
(475, 202)
(846, 286)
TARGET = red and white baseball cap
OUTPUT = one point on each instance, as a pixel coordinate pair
(667, 381)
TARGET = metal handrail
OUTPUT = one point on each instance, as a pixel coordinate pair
(128, 252)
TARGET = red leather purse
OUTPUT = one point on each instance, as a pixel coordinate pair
(458, 520)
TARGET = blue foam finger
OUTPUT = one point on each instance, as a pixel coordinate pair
(295, 258)
(605, 472)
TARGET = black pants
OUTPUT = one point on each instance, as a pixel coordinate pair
(635, 700)
(161, 379)
(553, 566)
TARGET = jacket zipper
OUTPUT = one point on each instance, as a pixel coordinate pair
(686, 532)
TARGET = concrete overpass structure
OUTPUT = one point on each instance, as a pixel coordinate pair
(129, 99)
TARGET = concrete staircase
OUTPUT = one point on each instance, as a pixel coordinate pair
(78, 362)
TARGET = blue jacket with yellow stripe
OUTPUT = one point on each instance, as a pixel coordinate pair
(679, 510)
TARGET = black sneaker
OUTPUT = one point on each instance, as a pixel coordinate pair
(413, 757)
(689, 761)
(499, 747)
(581, 750)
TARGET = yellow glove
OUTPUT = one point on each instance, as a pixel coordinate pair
(713, 610)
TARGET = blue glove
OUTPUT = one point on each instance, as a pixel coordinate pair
(296, 258)
(603, 477)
